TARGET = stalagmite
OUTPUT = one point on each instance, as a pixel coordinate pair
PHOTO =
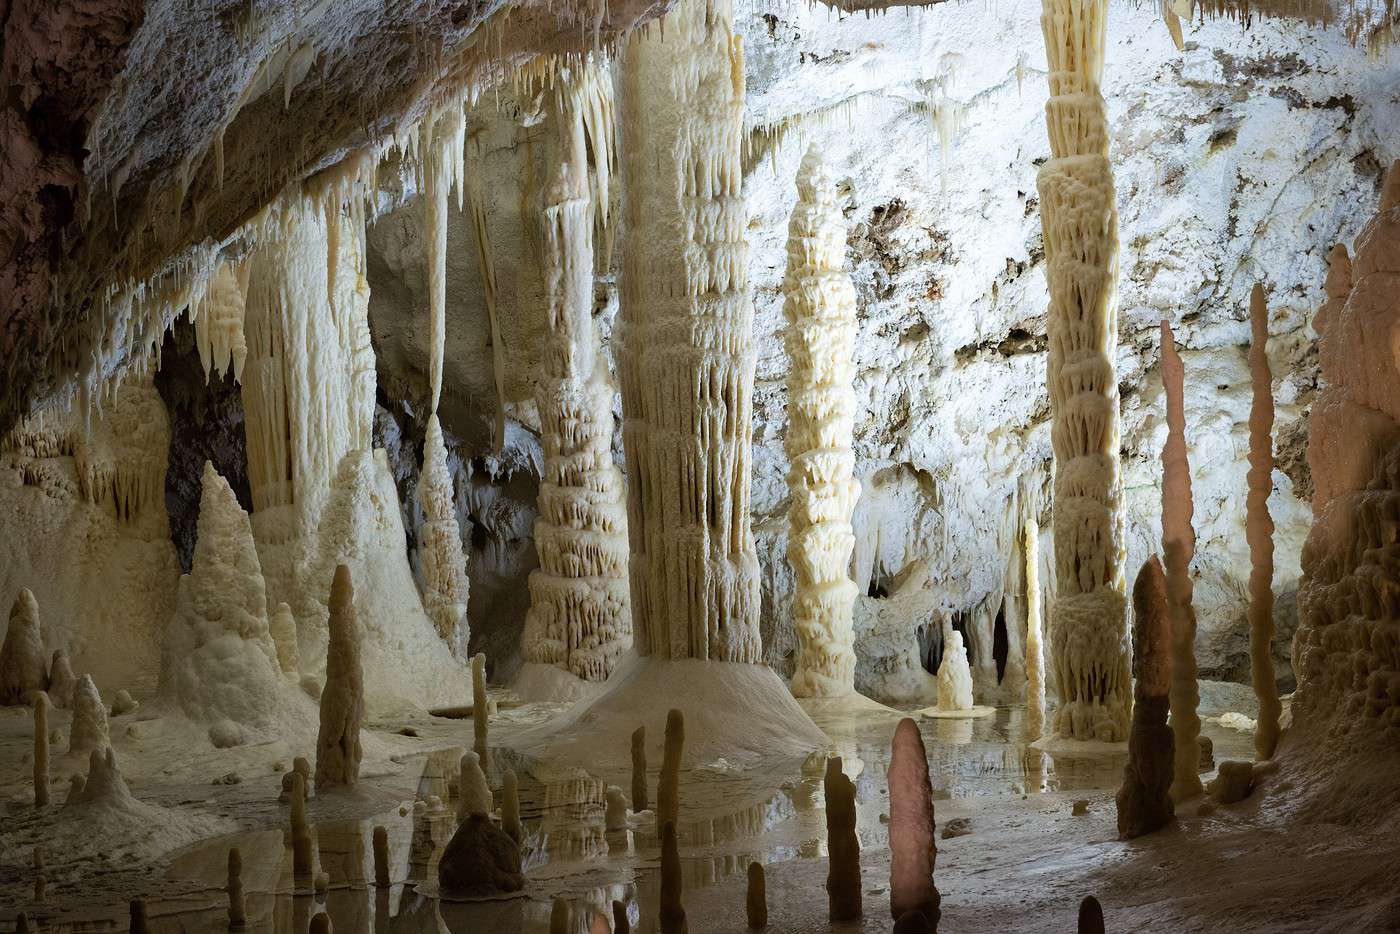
(321, 924)
(621, 923)
(343, 698)
(62, 682)
(1035, 652)
(954, 675)
(668, 785)
(138, 923)
(1179, 547)
(842, 845)
(381, 857)
(559, 917)
(639, 769)
(1088, 619)
(89, 729)
(441, 561)
(1259, 528)
(104, 782)
(480, 711)
(579, 617)
(22, 663)
(1144, 799)
(756, 898)
(283, 628)
(510, 806)
(672, 911)
(301, 830)
(41, 749)
(615, 817)
(237, 912)
(1090, 916)
(913, 848)
(473, 793)
(684, 336)
(819, 303)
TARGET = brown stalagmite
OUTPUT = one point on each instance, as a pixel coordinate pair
(1144, 800)
(621, 923)
(237, 912)
(913, 848)
(301, 830)
(1090, 916)
(559, 917)
(672, 911)
(756, 898)
(510, 806)
(138, 923)
(41, 749)
(842, 845)
(1179, 546)
(1259, 528)
(23, 667)
(381, 857)
(639, 769)
(480, 712)
(321, 924)
(343, 698)
(668, 785)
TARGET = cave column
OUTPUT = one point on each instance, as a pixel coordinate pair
(685, 335)
(1088, 621)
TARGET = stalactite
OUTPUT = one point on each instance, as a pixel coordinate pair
(1035, 652)
(488, 283)
(442, 563)
(1088, 632)
(579, 617)
(819, 303)
(1179, 547)
(442, 164)
(685, 340)
(218, 321)
(343, 698)
(1144, 800)
(1259, 528)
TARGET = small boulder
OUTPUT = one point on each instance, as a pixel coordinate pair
(1232, 783)
(480, 859)
(957, 827)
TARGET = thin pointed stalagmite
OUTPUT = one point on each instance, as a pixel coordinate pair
(381, 857)
(301, 830)
(1144, 800)
(1259, 529)
(510, 806)
(756, 899)
(668, 785)
(639, 769)
(480, 711)
(672, 911)
(343, 698)
(237, 912)
(842, 844)
(913, 847)
(41, 749)
(1179, 546)
(1035, 650)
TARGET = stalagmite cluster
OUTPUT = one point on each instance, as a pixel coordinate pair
(1088, 623)
(1259, 528)
(954, 675)
(1144, 799)
(843, 889)
(343, 697)
(23, 671)
(913, 849)
(684, 340)
(819, 304)
(1035, 651)
(441, 562)
(579, 618)
(1179, 547)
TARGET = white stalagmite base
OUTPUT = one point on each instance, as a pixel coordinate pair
(1089, 639)
(820, 306)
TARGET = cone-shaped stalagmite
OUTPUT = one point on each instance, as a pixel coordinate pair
(668, 785)
(672, 911)
(756, 898)
(441, 562)
(639, 769)
(89, 729)
(23, 668)
(473, 792)
(913, 849)
(1088, 620)
(62, 682)
(842, 844)
(1179, 546)
(1144, 800)
(343, 697)
(1259, 529)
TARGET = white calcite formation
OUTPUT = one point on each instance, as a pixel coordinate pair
(23, 667)
(88, 732)
(218, 322)
(1345, 650)
(1259, 528)
(954, 675)
(442, 565)
(283, 628)
(1088, 619)
(1035, 651)
(579, 617)
(820, 306)
(684, 336)
(338, 749)
(219, 662)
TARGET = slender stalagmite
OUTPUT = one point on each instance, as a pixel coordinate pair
(381, 857)
(1259, 529)
(301, 830)
(559, 917)
(672, 911)
(639, 769)
(1179, 546)
(1089, 643)
(480, 711)
(685, 340)
(842, 845)
(237, 913)
(820, 305)
(579, 617)
(913, 849)
(1144, 800)
(343, 698)
(1035, 651)
(41, 749)
(668, 785)
(756, 898)
(510, 806)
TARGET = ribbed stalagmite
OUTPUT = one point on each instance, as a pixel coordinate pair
(819, 303)
(1259, 528)
(1035, 651)
(1144, 799)
(668, 785)
(23, 668)
(481, 711)
(1179, 547)
(41, 749)
(842, 845)
(639, 769)
(672, 911)
(913, 849)
(684, 334)
(343, 698)
(579, 617)
(1088, 630)
(756, 897)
